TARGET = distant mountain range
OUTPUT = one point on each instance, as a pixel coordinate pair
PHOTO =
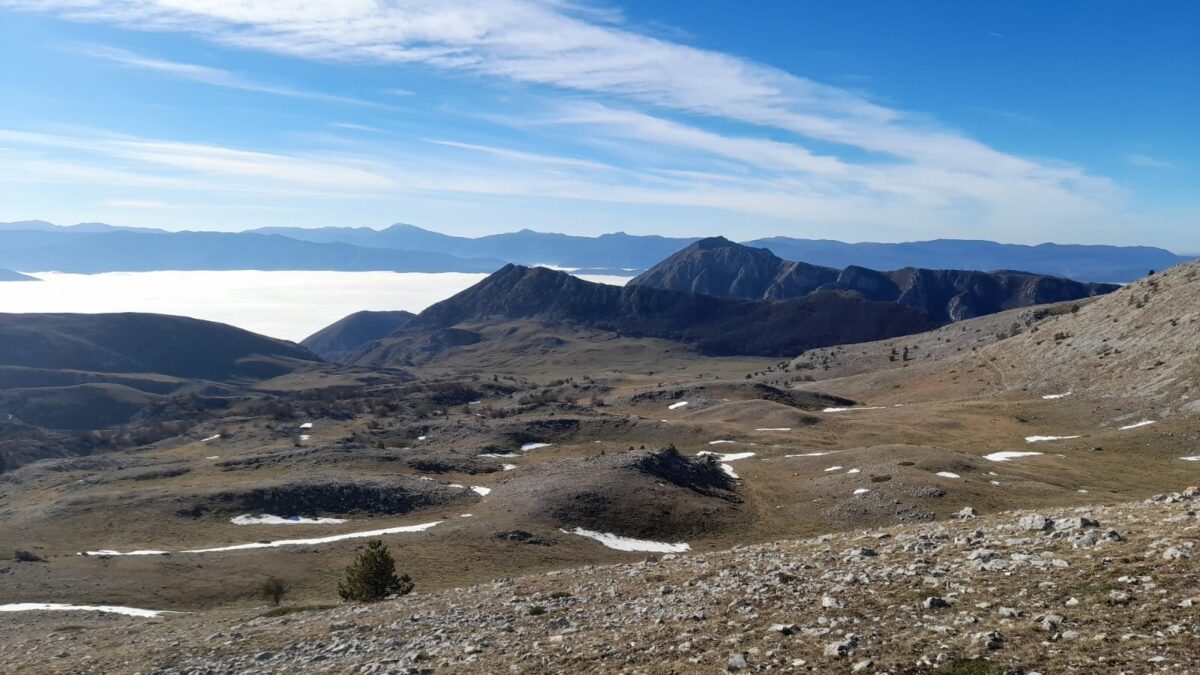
(717, 266)
(526, 247)
(96, 247)
(136, 251)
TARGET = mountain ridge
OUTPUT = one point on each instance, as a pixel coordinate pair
(621, 251)
(710, 324)
(717, 266)
(126, 251)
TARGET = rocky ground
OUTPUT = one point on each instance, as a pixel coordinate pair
(1104, 589)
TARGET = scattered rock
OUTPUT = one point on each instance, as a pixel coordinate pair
(842, 647)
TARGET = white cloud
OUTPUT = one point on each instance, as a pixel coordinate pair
(1146, 161)
(548, 43)
(136, 204)
(127, 159)
(667, 105)
(353, 127)
(528, 157)
(208, 75)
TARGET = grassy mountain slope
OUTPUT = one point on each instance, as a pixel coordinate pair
(338, 340)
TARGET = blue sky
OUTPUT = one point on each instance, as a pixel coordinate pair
(862, 121)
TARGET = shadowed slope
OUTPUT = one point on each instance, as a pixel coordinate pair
(710, 324)
(339, 340)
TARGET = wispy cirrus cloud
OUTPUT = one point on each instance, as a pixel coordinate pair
(136, 204)
(1146, 161)
(549, 43)
(686, 126)
(216, 77)
(123, 159)
(526, 157)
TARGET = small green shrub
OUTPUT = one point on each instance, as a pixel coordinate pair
(372, 576)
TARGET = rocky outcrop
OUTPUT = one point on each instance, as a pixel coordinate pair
(318, 496)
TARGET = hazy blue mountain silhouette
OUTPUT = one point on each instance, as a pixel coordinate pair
(277, 248)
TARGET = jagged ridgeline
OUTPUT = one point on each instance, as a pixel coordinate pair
(717, 266)
(711, 325)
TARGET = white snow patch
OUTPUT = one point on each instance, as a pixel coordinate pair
(833, 468)
(213, 457)
(456, 485)
(947, 474)
(837, 410)
(1053, 397)
(420, 438)
(210, 438)
(107, 609)
(861, 491)
(774, 429)
(620, 543)
(730, 457)
(306, 425)
(267, 519)
(1138, 425)
(467, 515)
(534, 446)
(720, 442)
(728, 469)
(676, 406)
(305, 437)
(1007, 455)
(811, 454)
(854, 471)
(499, 455)
(284, 542)
(1043, 439)
(138, 552)
(1082, 491)
(508, 467)
(994, 482)
(1193, 458)
(481, 491)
